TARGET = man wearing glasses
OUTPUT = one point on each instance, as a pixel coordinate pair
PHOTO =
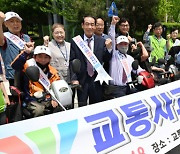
(124, 30)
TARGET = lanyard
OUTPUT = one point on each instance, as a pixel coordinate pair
(64, 55)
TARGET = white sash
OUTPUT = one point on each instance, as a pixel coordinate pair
(42, 78)
(15, 39)
(102, 74)
(44, 81)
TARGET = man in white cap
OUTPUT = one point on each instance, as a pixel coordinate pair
(120, 66)
(41, 59)
(9, 42)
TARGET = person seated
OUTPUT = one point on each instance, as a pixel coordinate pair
(120, 66)
(139, 52)
(36, 99)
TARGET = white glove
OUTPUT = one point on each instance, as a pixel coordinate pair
(140, 79)
(38, 94)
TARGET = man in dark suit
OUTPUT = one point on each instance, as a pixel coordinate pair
(102, 50)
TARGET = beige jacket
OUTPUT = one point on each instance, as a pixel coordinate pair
(60, 58)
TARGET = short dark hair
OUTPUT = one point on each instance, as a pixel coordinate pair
(99, 17)
(86, 17)
(173, 29)
(123, 20)
(157, 24)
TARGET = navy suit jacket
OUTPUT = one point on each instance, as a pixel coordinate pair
(101, 52)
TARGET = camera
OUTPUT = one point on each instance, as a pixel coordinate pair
(134, 41)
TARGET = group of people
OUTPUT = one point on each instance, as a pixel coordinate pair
(115, 51)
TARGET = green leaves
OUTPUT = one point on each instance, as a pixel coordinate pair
(73, 10)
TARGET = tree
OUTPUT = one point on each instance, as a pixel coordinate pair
(29, 10)
(163, 9)
(140, 13)
(174, 13)
(74, 10)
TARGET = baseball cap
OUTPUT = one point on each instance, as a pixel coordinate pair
(9, 15)
(42, 49)
(122, 39)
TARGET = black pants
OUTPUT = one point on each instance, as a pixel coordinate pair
(11, 82)
(90, 89)
(2, 118)
(114, 91)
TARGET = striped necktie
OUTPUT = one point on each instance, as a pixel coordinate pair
(89, 65)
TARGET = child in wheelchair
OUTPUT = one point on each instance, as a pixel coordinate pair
(36, 101)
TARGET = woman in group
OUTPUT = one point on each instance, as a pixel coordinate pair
(60, 51)
(171, 38)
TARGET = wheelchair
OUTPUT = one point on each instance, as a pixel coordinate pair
(20, 109)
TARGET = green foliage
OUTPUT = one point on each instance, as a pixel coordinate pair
(168, 9)
(139, 12)
(25, 8)
(74, 10)
(175, 13)
(164, 8)
(171, 25)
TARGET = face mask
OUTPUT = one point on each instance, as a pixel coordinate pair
(123, 49)
(42, 66)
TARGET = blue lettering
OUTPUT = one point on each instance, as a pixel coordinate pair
(160, 104)
(135, 111)
(133, 129)
(111, 130)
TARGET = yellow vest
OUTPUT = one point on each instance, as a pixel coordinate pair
(159, 47)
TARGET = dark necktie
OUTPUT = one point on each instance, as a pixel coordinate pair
(124, 76)
(89, 65)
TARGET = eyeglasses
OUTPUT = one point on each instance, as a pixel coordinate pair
(124, 25)
(58, 32)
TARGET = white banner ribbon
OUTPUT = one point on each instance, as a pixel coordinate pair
(15, 39)
(102, 74)
(42, 78)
